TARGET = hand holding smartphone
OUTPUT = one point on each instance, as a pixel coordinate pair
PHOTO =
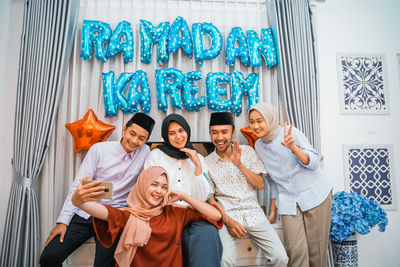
(108, 191)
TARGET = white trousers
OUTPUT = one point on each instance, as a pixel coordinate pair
(264, 236)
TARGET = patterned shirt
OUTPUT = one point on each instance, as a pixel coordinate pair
(231, 188)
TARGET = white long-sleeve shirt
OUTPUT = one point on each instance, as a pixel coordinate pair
(107, 161)
(181, 174)
(291, 181)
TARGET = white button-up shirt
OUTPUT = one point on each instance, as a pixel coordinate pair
(107, 161)
(231, 188)
(291, 181)
(181, 174)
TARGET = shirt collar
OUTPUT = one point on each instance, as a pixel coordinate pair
(124, 154)
(215, 157)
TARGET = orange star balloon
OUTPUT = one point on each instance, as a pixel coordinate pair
(250, 135)
(88, 131)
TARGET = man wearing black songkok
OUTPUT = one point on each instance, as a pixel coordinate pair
(117, 161)
(236, 173)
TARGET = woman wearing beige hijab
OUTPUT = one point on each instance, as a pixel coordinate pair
(150, 229)
(298, 186)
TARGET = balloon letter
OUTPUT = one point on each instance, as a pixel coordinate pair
(135, 97)
(122, 42)
(214, 92)
(175, 40)
(190, 90)
(95, 33)
(122, 83)
(169, 81)
(266, 48)
(231, 52)
(199, 29)
(241, 86)
(150, 35)
(110, 108)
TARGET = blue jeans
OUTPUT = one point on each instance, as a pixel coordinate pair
(201, 245)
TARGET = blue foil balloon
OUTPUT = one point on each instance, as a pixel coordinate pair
(265, 48)
(150, 35)
(198, 30)
(243, 86)
(215, 92)
(95, 33)
(169, 82)
(110, 107)
(189, 91)
(175, 40)
(231, 52)
(122, 41)
(136, 97)
(120, 87)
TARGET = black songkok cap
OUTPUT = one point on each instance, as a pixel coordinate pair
(143, 120)
(221, 118)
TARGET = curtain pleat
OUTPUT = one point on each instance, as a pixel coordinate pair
(48, 27)
(291, 20)
(297, 69)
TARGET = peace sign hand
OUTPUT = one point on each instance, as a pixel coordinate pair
(289, 140)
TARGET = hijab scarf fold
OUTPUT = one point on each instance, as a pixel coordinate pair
(137, 230)
(270, 114)
(167, 148)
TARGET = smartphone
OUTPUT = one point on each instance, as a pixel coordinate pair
(108, 191)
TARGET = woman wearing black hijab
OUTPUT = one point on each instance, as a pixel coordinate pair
(188, 173)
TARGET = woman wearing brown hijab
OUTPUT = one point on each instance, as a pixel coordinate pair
(150, 229)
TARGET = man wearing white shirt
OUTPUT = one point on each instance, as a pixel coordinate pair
(114, 161)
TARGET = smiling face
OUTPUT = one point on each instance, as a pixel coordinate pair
(221, 136)
(177, 136)
(257, 123)
(134, 137)
(157, 190)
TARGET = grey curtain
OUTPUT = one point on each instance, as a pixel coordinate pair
(298, 79)
(46, 44)
(291, 20)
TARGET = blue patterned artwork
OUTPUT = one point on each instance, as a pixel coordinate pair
(363, 84)
(369, 172)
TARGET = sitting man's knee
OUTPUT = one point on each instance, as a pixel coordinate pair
(280, 259)
(50, 258)
(227, 261)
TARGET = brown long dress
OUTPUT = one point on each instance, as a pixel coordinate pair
(164, 246)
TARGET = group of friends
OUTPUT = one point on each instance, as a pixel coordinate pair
(173, 207)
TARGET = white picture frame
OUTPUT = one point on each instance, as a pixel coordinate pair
(362, 82)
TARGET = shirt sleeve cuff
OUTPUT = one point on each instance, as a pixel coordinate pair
(65, 219)
(313, 163)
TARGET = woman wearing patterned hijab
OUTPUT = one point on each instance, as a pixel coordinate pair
(188, 173)
(149, 230)
(298, 186)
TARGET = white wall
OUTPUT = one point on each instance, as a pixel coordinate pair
(11, 12)
(360, 26)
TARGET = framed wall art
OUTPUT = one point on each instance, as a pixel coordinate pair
(369, 172)
(362, 82)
